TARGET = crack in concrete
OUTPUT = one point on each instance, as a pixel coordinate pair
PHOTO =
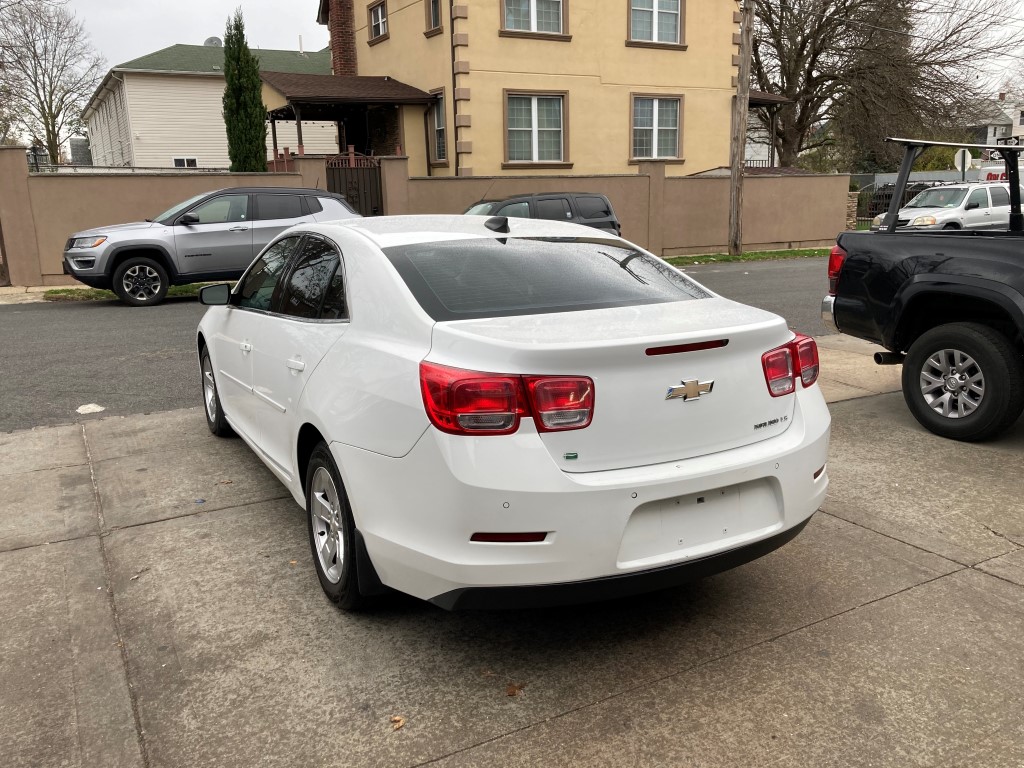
(889, 536)
(1003, 536)
(654, 681)
(113, 529)
(122, 646)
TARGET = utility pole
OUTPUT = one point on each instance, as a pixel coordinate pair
(738, 145)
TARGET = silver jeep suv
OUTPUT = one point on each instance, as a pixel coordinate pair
(212, 236)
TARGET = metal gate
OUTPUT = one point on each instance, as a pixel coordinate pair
(357, 178)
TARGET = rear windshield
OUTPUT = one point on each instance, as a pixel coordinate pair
(467, 279)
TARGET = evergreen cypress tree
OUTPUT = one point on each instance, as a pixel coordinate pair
(244, 113)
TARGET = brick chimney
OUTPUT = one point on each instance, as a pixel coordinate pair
(1002, 97)
(342, 26)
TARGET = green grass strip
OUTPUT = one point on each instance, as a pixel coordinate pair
(98, 294)
(713, 258)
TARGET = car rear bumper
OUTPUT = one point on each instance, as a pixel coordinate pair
(606, 533)
(610, 587)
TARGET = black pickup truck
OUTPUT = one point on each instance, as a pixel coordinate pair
(947, 304)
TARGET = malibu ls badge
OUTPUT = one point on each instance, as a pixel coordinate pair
(690, 390)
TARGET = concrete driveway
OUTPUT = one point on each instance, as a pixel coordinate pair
(159, 608)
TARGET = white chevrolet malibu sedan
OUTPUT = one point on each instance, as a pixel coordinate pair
(491, 412)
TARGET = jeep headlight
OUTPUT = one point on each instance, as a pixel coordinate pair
(88, 242)
(923, 221)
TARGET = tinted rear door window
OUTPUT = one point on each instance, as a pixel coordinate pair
(593, 207)
(487, 278)
(1000, 197)
(310, 278)
(278, 207)
(556, 208)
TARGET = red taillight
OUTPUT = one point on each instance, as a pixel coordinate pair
(778, 371)
(784, 365)
(463, 402)
(562, 402)
(806, 359)
(835, 266)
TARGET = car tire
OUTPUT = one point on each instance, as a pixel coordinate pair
(215, 419)
(951, 226)
(332, 532)
(964, 381)
(140, 281)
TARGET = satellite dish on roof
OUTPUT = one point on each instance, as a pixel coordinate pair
(213, 42)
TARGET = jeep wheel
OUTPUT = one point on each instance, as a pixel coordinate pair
(140, 281)
(964, 381)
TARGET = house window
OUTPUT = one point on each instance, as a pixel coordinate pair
(655, 127)
(433, 15)
(439, 135)
(378, 22)
(535, 128)
(185, 162)
(1022, 117)
(655, 21)
(534, 16)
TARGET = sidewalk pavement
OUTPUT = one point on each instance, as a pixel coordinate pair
(159, 609)
(20, 294)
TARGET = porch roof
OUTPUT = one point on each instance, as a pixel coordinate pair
(334, 89)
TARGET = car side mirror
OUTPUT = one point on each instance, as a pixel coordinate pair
(215, 295)
(971, 206)
(188, 218)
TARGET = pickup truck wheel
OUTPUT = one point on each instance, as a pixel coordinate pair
(140, 281)
(964, 381)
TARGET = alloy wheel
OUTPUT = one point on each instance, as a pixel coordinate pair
(141, 282)
(952, 383)
(328, 531)
(209, 390)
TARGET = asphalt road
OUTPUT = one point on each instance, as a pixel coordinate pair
(55, 358)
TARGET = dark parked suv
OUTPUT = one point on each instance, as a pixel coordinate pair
(212, 236)
(586, 208)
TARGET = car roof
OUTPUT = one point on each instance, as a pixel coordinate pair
(537, 194)
(282, 190)
(388, 231)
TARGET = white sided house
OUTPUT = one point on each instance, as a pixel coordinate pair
(164, 110)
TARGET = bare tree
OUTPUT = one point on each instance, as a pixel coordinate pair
(49, 69)
(855, 70)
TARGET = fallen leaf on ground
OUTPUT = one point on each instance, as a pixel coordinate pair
(397, 721)
(226, 482)
(142, 571)
(488, 673)
(292, 562)
(515, 689)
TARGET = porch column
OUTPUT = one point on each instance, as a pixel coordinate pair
(298, 129)
(273, 135)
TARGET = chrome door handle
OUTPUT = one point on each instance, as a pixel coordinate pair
(296, 365)
(238, 229)
(245, 346)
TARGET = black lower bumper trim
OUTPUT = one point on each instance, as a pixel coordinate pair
(609, 587)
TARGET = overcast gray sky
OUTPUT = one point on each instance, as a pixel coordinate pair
(122, 30)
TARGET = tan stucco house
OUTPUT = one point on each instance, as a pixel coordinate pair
(164, 110)
(548, 86)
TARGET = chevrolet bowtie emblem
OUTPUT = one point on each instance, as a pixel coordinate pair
(690, 390)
